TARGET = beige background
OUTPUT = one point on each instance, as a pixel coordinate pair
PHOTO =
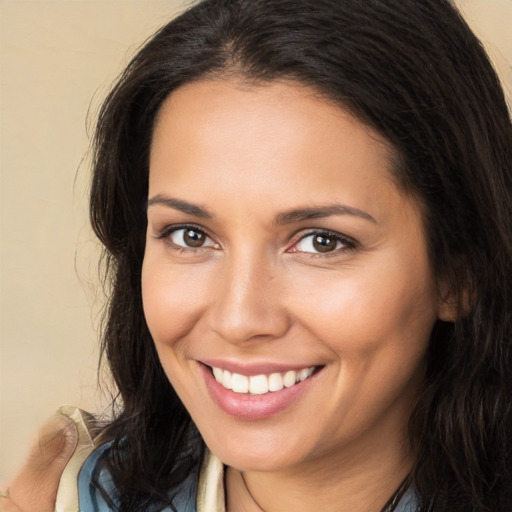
(57, 60)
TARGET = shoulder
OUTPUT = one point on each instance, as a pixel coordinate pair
(94, 476)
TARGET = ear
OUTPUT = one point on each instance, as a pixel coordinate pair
(448, 307)
(450, 304)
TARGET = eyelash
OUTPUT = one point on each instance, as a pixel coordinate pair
(348, 243)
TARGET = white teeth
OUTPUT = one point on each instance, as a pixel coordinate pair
(260, 384)
(290, 378)
(226, 379)
(218, 374)
(304, 374)
(275, 382)
(239, 383)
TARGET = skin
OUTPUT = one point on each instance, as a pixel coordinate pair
(257, 292)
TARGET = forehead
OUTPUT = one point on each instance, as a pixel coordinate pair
(216, 139)
(283, 102)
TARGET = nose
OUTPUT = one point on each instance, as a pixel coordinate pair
(249, 305)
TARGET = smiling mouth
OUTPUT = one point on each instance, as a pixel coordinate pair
(260, 384)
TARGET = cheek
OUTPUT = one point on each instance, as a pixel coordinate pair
(172, 298)
(361, 313)
(377, 327)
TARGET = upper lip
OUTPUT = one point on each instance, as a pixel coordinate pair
(254, 368)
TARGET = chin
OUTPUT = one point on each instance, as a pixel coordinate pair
(258, 453)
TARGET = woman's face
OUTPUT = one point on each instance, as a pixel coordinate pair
(282, 262)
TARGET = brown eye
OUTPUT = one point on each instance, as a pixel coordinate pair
(194, 238)
(324, 243)
(191, 238)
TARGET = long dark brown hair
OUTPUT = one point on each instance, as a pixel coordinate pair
(413, 71)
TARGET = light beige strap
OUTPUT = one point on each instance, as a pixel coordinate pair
(210, 492)
(67, 495)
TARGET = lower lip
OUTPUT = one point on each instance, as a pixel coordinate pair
(253, 407)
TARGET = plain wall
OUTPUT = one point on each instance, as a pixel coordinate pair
(57, 61)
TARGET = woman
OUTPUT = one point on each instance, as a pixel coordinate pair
(306, 212)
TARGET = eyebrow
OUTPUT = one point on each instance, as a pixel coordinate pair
(300, 214)
(180, 205)
(287, 217)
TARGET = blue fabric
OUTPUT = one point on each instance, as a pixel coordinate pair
(409, 502)
(91, 500)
